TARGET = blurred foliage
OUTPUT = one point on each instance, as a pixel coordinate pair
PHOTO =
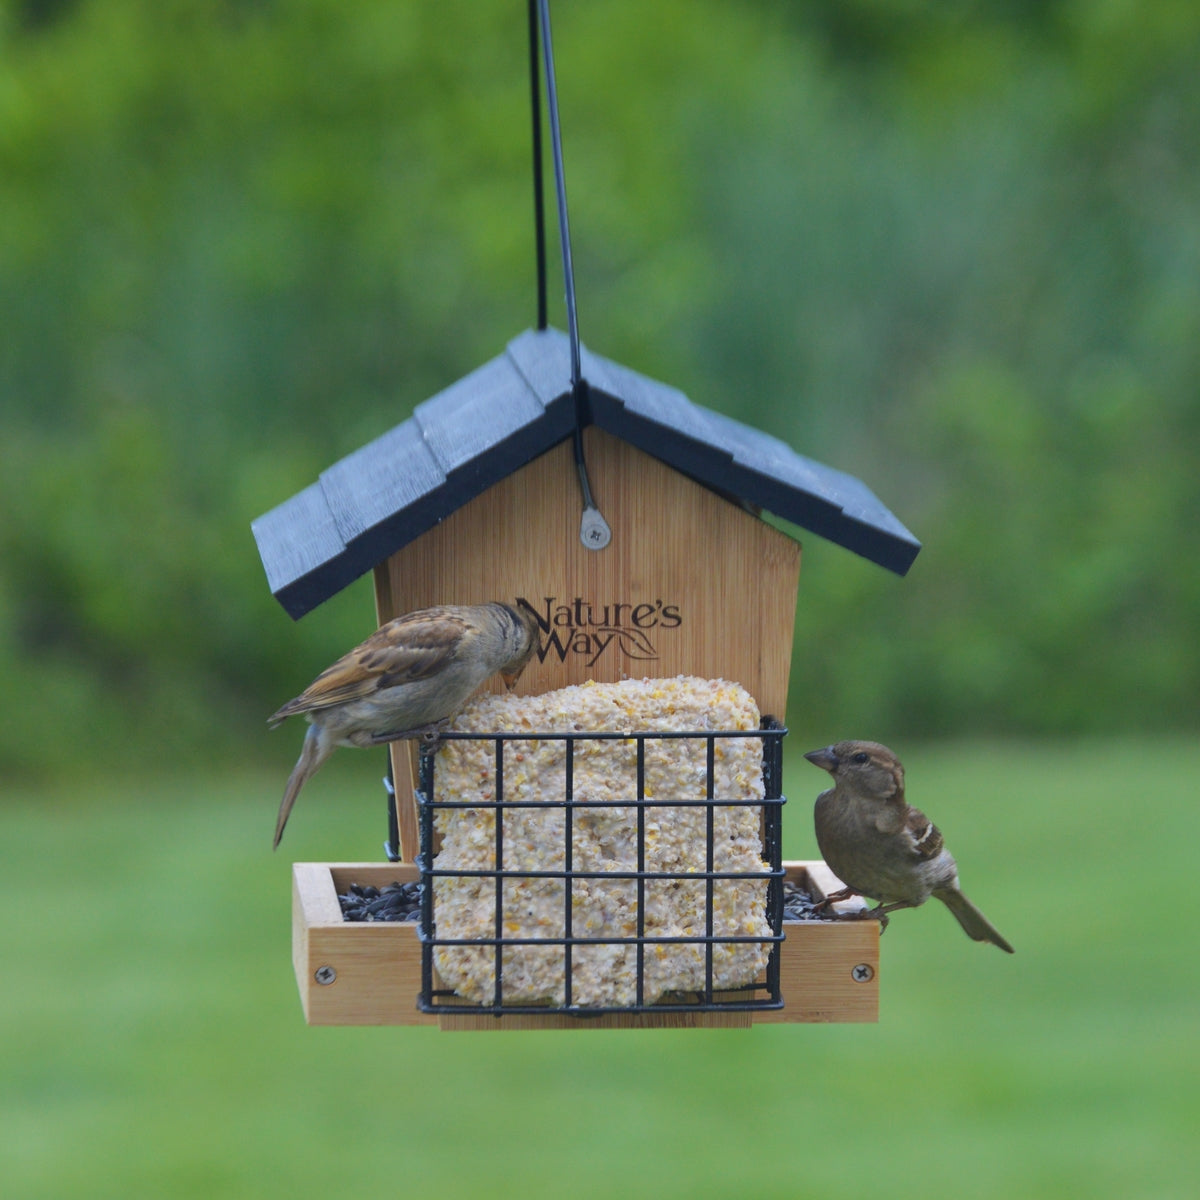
(952, 248)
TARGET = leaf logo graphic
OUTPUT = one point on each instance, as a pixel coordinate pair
(633, 642)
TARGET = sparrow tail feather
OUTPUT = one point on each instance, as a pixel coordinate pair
(974, 923)
(312, 754)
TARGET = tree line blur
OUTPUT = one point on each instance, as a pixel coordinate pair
(951, 248)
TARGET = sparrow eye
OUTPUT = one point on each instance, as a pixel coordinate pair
(861, 759)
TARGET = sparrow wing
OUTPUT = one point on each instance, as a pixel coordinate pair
(409, 648)
(923, 835)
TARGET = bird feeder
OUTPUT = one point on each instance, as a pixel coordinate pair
(629, 520)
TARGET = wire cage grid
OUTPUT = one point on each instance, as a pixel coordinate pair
(763, 993)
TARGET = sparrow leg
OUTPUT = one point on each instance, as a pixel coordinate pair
(431, 738)
(880, 911)
(429, 734)
(833, 898)
(879, 914)
(865, 914)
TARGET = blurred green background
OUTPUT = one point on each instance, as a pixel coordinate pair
(951, 247)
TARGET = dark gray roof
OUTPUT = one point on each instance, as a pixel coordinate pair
(493, 421)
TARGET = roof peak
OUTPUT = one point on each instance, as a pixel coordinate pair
(502, 415)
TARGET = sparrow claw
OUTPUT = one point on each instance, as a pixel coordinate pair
(878, 913)
(430, 735)
(834, 898)
(864, 914)
(431, 738)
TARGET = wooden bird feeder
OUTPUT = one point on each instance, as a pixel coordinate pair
(650, 560)
(477, 497)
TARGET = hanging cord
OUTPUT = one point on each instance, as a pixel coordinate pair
(539, 200)
(594, 532)
(560, 187)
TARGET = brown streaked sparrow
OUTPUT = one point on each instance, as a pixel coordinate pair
(406, 678)
(880, 846)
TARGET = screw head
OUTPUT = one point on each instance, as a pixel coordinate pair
(594, 532)
(324, 975)
(863, 973)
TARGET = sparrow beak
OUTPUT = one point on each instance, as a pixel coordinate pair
(510, 678)
(824, 758)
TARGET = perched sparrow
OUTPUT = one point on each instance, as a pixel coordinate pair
(406, 677)
(881, 847)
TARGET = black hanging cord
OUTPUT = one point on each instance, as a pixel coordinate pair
(539, 19)
(539, 201)
(594, 531)
(560, 187)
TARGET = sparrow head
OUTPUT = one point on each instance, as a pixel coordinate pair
(866, 768)
(521, 640)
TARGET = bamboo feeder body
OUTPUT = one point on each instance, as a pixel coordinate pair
(657, 601)
(477, 497)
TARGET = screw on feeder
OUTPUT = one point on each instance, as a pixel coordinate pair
(324, 975)
(862, 973)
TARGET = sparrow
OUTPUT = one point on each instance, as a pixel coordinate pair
(409, 676)
(882, 847)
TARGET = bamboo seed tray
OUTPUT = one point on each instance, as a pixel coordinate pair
(369, 972)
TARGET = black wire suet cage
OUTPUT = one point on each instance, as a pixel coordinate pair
(568, 940)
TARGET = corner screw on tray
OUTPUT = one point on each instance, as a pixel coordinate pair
(863, 973)
(324, 975)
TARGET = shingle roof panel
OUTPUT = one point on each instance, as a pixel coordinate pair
(513, 408)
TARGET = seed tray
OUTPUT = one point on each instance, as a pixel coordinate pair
(368, 972)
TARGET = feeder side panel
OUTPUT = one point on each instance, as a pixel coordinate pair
(690, 583)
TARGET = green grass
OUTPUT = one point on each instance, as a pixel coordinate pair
(153, 1044)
